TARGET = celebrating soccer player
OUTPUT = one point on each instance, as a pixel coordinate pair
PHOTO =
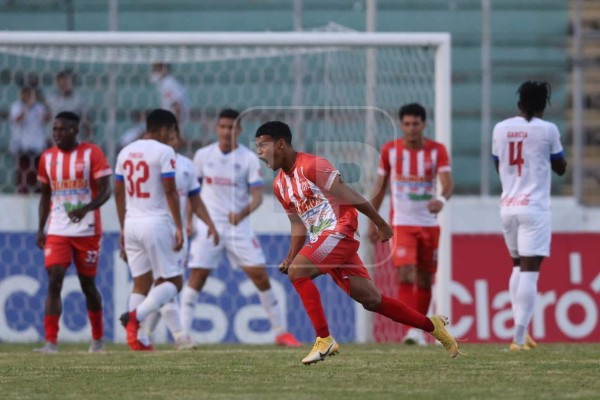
(411, 166)
(316, 199)
(150, 219)
(526, 149)
(74, 181)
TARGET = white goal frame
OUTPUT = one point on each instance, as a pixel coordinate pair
(442, 85)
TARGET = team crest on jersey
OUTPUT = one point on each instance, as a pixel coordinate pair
(304, 186)
(173, 164)
(79, 166)
(237, 166)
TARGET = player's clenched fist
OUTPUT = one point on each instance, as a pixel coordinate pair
(283, 267)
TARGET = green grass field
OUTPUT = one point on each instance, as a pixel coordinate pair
(557, 371)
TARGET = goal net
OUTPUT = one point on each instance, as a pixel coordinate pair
(340, 93)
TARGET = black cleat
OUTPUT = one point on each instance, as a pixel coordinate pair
(124, 318)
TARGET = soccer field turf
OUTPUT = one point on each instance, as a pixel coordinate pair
(553, 371)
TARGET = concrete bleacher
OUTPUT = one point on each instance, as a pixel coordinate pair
(530, 41)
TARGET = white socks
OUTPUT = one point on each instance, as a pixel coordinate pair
(158, 295)
(135, 299)
(172, 316)
(525, 303)
(273, 309)
(513, 284)
(189, 296)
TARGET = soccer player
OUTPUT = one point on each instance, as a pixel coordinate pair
(231, 189)
(74, 181)
(526, 149)
(411, 166)
(188, 189)
(316, 199)
(148, 210)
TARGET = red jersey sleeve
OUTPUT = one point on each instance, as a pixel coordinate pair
(100, 167)
(443, 161)
(318, 170)
(42, 175)
(384, 169)
(277, 189)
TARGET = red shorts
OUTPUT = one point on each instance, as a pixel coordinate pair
(335, 254)
(83, 251)
(416, 245)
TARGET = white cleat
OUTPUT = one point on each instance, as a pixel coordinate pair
(97, 346)
(49, 348)
(184, 343)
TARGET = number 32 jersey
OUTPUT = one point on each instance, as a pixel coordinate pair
(524, 150)
(142, 165)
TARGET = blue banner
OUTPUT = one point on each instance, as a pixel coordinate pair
(228, 309)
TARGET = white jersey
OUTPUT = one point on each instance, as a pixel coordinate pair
(142, 165)
(524, 150)
(171, 91)
(186, 182)
(226, 179)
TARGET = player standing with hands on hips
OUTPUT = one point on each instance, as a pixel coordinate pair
(526, 149)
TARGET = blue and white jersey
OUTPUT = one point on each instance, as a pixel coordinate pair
(226, 179)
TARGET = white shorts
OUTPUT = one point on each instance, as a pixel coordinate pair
(239, 243)
(149, 247)
(527, 235)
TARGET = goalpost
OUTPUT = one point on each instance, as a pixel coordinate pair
(339, 91)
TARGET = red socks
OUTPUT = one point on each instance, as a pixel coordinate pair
(423, 300)
(400, 312)
(406, 294)
(309, 294)
(96, 322)
(51, 328)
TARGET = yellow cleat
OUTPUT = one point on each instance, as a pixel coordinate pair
(443, 336)
(516, 347)
(530, 342)
(322, 348)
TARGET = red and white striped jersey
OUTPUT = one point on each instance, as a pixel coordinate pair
(72, 178)
(412, 176)
(305, 191)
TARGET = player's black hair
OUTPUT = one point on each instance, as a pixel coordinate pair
(159, 118)
(533, 97)
(276, 129)
(65, 73)
(229, 113)
(68, 116)
(413, 109)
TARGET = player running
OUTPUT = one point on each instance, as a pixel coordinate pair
(316, 199)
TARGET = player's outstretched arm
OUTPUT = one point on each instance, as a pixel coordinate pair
(201, 212)
(349, 196)
(297, 240)
(173, 202)
(104, 191)
(43, 213)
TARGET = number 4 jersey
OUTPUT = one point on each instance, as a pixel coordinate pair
(524, 150)
(142, 165)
